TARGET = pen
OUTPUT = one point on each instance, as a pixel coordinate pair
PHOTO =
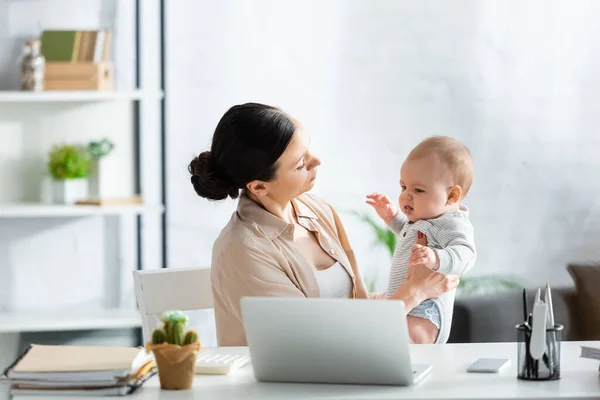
(548, 300)
(526, 318)
(525, 305)
(550, 325)
(528, 358)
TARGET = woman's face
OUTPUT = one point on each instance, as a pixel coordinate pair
(296, 170)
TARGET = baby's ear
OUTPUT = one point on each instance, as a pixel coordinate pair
(454, 194)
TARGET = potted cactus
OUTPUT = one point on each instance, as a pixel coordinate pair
(175, 351)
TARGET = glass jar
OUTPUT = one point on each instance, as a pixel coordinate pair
(32, 66)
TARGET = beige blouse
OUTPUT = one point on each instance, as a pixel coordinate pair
(255, 256)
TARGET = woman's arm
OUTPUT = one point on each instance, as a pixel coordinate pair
(239, 271)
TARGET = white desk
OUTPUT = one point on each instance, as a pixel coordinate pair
(448, 380)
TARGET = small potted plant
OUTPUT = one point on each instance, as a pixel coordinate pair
(98, 150)
(68, 166)
(175, 351)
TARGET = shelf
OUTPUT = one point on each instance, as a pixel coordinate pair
(13, 322)
(36, 210)
(52, 96)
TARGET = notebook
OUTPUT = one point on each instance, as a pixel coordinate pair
(89, 370)
(66, 363)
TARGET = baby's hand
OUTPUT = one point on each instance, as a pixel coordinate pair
(383, 205)
(424, 255)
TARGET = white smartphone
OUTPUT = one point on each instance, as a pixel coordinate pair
(489, 365)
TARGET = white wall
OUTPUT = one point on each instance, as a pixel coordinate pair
(515, 81)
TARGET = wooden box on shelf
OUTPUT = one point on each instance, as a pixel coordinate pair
(78, 76)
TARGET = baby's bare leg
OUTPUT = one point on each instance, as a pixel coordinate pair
(421, 330)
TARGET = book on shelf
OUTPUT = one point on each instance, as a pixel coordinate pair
(79, 370)
(73, 46)
(77, 59)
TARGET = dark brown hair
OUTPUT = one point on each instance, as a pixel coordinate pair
(248, 141)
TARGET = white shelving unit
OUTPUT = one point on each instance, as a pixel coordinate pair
(69, 321)
(76, 96)
(112, 315)
(34, 210)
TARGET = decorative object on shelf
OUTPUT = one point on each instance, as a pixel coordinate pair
(32, 67)
(468, 286)
(68, 166)
(98, 150)
(77, 60)
(79, 76)
(175, 351)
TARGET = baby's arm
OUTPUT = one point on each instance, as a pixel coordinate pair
(397, 223)
(387, 211)
(456, 239)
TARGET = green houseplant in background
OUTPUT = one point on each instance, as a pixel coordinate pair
(469, 285)
(68, 166)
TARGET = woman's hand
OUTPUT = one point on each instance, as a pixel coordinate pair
(422, 283)
(420, 254)
(383, 205)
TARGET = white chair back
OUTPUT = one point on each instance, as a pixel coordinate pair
(169, 289)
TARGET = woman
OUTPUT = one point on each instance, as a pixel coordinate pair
(282, 241)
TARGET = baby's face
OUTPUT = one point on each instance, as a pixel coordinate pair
(425, 187)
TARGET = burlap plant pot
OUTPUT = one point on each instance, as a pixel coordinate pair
(176, 364)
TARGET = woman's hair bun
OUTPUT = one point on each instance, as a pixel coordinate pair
(210, 181)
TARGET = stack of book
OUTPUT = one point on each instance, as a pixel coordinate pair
(77, 60)
(592, 353)
(79, 371)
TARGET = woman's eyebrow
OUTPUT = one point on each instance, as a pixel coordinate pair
(300, 159)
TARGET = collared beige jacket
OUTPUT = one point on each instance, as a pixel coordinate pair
(255, 256)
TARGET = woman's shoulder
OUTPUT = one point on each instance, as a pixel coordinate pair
(237, 236)
(243, 238)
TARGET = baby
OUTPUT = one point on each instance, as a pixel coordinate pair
(434, 178)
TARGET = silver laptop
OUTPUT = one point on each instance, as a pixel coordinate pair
(315, 340)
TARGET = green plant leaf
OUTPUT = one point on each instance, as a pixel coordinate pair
(383, 236)
(486, 284)
(68, 162)
(100, 148)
